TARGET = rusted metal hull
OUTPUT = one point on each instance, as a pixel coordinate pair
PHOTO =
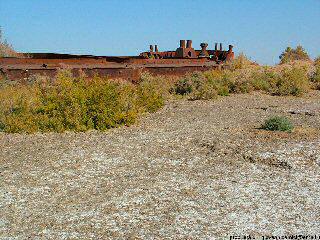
(172, 63)
(22, 69)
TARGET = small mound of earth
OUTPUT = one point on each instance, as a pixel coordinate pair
(194, 170)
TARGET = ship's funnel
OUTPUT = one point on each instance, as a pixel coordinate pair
(182, 43)
(189, 43)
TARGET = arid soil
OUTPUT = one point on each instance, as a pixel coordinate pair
(194, 170)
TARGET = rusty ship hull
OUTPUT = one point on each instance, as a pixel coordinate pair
(172, 63)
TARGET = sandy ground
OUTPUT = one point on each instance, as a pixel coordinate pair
(194, 170)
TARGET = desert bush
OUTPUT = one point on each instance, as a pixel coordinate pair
(278, 123)
(15, 108)
(206, 85)
(262, 80)
(239, 81)
(287, 79)
(315, 77)
(291, 54)
(152, 92)
(291, 81)
(75, 104)
(218, 81)
(195, 86)
(282, 80)
(185, 85)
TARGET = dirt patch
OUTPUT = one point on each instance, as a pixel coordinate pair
(193, 170)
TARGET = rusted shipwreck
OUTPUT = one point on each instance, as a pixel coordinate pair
(178, 62)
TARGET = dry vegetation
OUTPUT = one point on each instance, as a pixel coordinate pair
(294, 54)
(80, 104)
(77, 104)
(70, 103)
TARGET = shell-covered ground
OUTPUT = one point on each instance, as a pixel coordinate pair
(193, 170)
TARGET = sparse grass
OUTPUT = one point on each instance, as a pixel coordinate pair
(278, 123)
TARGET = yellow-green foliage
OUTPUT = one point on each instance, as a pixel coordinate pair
(151, 91)
(80, 104)
(75, 104)
(278, 80)
(291, 81)
(287, 79)
(263, 78)
(16, 103)
(293, 54)
(282, 79)
(195, 86)
(239, 81)
(219, 81)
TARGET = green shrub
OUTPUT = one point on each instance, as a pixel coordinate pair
(239, 81)
(206, 85)
(282, 80)
(151, 92)
(278, 123)
(291, 54)
(201, 88)
(75, 104)
(218, 81)
(241, 87)
(15, 108)
(279, 80)
(196, 86)
(262, 80)
(291, 81)
(188, 83)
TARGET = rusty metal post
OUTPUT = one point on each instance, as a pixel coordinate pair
(220, 46)
(156, 48)
(182, 43)
(151, 48)
(230, 48)
(216, 46)
(189, 43)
